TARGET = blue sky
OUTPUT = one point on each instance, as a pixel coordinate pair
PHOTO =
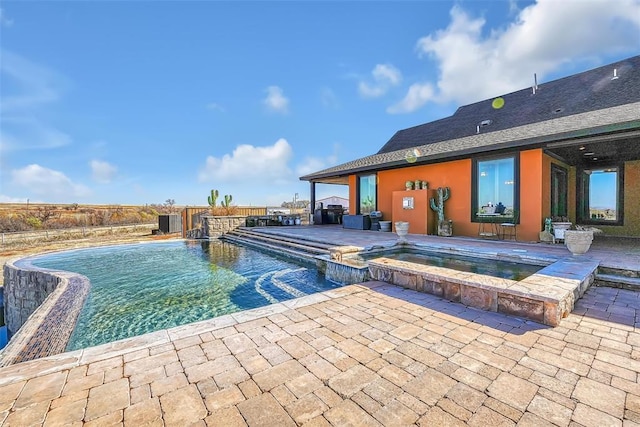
(135, 102)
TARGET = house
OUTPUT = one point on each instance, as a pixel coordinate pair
(566, 148)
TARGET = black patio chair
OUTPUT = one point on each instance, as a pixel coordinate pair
(509, 227)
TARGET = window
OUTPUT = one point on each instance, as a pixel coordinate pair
(600, 199)
(494, 182)
(367, 190)
(559, 184)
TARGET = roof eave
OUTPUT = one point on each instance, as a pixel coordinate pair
(532, 142)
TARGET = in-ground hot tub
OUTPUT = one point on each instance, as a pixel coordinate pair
(543, 290)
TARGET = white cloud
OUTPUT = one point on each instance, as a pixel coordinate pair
(102, 172)
(9, 199)
(476, 63)
(248, 163)
(39, 85)
(328, 98)
(215, 106)
(32, 87)
(47, 182)
(276, 101)
(418, 95)
(4, 21)
(384, 77)
(315, 164)
(25, 133)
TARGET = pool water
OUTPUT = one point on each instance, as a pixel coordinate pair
(490, 267)
(143, 288)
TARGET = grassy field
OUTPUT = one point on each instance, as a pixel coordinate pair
(40, 216)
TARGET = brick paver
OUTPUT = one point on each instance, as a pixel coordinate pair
(363, 355)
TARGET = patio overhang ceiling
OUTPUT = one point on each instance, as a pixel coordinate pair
(598, 150)
(333, 180)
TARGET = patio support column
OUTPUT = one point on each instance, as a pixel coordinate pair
(312, 200)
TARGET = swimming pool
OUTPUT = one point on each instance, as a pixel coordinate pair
(143, 288)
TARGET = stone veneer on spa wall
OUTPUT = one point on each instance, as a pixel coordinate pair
(546, 296)
(24, 291)
(41, 309)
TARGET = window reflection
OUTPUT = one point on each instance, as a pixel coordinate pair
(603, 194)
(367, 193)
(495, 184)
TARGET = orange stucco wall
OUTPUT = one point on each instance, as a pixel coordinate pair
(353, 203)
(535, 193)
(421, 219)
(457, 176)
(531, 191)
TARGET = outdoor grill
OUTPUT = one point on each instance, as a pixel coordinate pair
(332, 214)
(375, 217)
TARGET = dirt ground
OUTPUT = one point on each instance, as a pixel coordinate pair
(9, 252)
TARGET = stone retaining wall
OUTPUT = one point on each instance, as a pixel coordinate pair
(41, 309)
(24, 291)
(214, 226)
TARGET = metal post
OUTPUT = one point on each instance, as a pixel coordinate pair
(312, 200)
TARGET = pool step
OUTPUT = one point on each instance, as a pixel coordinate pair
(269, 234)
(618, 281)
(285, 241)
(275, 243)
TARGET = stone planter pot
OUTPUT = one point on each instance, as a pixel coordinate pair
(402, 229)
(385, 225)
(559, 228)
(445, 228)
(578, 241)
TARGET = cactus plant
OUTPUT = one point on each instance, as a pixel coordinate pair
(443, 196)
(227, 200)
(212, 198)
(444, 227)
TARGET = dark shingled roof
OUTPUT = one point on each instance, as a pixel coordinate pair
(559, 109)
(579, 93)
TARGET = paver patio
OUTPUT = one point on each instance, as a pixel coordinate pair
(362, 355)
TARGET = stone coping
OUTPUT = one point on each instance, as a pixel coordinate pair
(48, 329)
(546, 296)
(63, 361)
(36, 333)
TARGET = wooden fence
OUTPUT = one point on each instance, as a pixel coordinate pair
(191, 216)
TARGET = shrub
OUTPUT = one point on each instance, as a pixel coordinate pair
(34, 222)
